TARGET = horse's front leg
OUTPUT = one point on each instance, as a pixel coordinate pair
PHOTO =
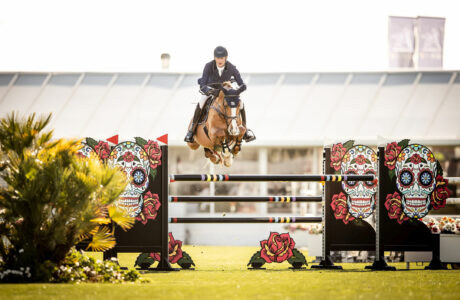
(237, 148)
(226, 153)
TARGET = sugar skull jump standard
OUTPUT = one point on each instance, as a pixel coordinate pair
(416, 170)
(133, 160)
(360, 160)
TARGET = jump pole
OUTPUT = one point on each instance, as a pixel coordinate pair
(267, 178)
(263, 199)
(248, 220)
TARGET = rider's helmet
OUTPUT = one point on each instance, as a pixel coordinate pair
(220, 52)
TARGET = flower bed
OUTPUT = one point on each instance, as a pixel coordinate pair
(445, 225)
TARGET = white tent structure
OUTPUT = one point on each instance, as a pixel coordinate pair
(290, 109)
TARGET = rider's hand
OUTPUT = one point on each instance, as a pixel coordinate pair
(214, 92)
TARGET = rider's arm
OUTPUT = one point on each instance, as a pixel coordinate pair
(239, 81)
(205, 79)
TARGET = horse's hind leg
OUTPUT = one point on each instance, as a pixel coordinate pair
(213, 156)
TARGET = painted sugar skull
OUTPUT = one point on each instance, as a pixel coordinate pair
(85, 150)
(416, 179)
(360, 160)
(133, 160)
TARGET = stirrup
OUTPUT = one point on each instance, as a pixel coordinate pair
(249, 136)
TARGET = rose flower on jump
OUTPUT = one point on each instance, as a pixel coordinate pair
(277, 248)
(391, 154)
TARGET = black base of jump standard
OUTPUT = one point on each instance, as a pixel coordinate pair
(327, 264)
(380, 265)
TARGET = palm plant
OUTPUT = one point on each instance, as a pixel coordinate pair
(52, 199)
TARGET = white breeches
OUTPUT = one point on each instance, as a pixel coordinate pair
(204, 98)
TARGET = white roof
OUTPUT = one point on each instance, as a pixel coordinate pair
(282, 108)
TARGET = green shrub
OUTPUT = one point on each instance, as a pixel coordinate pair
(52, 199)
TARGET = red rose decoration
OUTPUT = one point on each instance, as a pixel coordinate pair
(339, 206)
(415, 159)
(155, 255)
(277, 248)
(394, 206)
(175, 249)
(150, 208)
(102, 149)
(128, 157)
(440, 193)
(337, 153)
(154, 153)
(391, 154)
(360, 160)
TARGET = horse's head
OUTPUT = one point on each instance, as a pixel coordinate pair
(231, 104)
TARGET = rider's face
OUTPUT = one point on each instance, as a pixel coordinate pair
(220, 61)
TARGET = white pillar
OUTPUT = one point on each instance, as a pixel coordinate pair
(212, 190)
(263, 187)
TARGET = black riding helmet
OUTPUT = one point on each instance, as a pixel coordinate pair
(220, 52)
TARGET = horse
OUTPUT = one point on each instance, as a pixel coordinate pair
(222, 131)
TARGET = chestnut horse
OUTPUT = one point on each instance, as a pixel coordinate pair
(222, 133)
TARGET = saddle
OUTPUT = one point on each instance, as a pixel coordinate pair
(205, 111)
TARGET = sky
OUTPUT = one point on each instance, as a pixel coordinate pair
(261, 36)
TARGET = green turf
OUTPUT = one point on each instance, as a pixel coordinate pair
(221, 273)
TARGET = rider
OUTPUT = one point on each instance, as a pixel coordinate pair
(218, 71)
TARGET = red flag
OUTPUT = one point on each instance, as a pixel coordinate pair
(113, 139)
(163, 139)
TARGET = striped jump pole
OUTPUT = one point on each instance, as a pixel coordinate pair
(279, 199)
(248, 220)
(280, 177)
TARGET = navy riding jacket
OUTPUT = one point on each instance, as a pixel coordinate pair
(211, 75)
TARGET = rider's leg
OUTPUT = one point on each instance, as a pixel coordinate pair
(248, 135)
(196, 117)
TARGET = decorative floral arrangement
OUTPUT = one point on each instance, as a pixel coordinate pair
(393, 202)
(311, 229)
(176, 256)
(278, 248)
(77, 268)
(444, 225)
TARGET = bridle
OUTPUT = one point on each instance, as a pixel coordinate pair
(221, 113)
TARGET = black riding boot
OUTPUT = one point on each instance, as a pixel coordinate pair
(248, 135)
(191, 131)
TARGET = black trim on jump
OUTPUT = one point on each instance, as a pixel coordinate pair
(276, 177)
(248, 220)
(275, 199)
